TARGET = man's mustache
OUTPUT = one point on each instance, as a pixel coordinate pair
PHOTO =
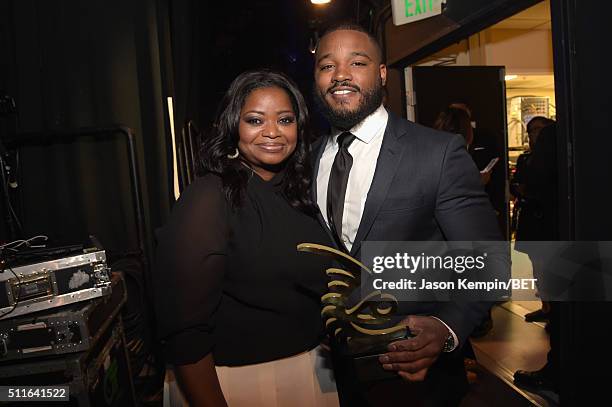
(343, 85)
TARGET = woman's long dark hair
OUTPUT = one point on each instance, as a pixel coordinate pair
(454, 120)
(224, 137)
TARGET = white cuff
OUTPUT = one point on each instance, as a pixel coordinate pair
(455, 339)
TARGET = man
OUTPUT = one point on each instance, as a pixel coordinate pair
(538, 222)
(405, 183)
(529, 224)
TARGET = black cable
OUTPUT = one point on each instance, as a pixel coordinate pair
(5, 190)
(5, 260)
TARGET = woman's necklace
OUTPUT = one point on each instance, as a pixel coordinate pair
(252, 169)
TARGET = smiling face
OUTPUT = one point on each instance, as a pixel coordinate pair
(267, 130)
(348, 77)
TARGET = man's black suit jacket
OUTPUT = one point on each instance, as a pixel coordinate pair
(426, 188)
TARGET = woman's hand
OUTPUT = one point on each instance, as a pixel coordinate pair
(485, 177)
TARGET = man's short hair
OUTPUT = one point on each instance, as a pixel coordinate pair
(350, 26)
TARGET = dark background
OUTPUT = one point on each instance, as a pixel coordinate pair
(72, 64)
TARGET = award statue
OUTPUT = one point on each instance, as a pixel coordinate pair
(361, 328)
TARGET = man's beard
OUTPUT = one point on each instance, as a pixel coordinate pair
(344, 119)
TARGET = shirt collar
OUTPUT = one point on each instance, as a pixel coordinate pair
(368, 128)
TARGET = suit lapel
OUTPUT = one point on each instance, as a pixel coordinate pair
(391, 152)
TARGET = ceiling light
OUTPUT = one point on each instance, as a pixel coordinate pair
(510, 77)
(320, 1)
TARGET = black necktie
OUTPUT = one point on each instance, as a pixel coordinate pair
(336, 188)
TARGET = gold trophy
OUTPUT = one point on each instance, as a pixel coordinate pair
(362, 330)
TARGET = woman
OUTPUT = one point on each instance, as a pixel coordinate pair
(237, 306)
(456, 119)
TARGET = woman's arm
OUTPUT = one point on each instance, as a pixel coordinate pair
(187, 282)
(200, 384)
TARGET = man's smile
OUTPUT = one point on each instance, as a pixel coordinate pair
(342, 94)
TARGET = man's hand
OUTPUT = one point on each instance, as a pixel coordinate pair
(411, 358)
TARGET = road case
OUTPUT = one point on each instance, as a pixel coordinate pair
(69, 329)
(100, 377)
(51, 284)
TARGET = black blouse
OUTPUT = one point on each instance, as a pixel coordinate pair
(232, 282)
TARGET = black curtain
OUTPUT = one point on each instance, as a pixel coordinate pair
(73, 64)
(191, 28)
(583, 131)
(213, 42)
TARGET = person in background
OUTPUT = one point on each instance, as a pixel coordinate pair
(238, 307)
(517, 187)
(456, 119)
(541, 216)
(527, 215)
(534, 126)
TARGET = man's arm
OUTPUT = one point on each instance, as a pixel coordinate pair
(464, 213)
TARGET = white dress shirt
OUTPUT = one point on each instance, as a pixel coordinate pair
(364, 150)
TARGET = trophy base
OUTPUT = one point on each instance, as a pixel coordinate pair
(364, 356)
(368, 368)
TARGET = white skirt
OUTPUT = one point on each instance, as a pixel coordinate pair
(302, 380)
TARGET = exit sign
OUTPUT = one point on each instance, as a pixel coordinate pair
(407, 11)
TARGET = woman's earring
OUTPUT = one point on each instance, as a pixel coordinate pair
(235, 155)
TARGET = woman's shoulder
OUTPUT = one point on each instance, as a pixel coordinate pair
(206, 188)
(208, 181)
(200, 208)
